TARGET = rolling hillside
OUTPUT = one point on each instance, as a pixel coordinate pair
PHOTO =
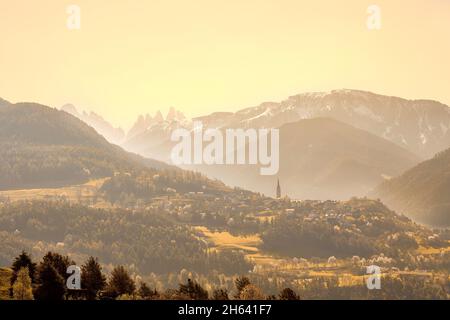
(423, 192)
(42, 147)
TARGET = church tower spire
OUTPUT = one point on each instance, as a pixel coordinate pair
(278, 189)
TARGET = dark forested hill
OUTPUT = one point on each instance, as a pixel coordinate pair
(42, 146)
(37, 124)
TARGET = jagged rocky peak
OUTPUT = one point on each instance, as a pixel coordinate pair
(148, 118)
(174, 115)
(141, 124)
(158, 116)
(145, 120)
(106, 129)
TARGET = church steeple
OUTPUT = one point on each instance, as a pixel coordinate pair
(278, 189)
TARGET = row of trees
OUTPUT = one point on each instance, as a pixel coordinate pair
(47, 281)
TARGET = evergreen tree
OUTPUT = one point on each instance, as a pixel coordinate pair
(145, 292)
(92, 278)
(288, 294)
(59, 262)
(51, 284)
(252, 292)
(220, 294)
(23, 261)
(22, 286)
(193, 290)
(120, 283)
(241, 283)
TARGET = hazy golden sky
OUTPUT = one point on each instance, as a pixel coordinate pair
(201, 56)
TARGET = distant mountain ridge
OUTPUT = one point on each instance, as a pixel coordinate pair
(112, 134)
(421, 126)
(152, 133)
(144, 126)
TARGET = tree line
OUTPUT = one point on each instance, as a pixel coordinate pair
(47, 281)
